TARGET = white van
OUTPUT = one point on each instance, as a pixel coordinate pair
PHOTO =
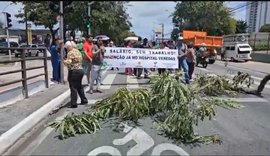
(236, 48)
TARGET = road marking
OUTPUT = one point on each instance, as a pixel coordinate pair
(144, 142)
(105, 149)
(166, 147)
(203, 69)
(132, 82)
(244, 100)
(107, 82)
(254, 77)
(255, 82)
(41, 137)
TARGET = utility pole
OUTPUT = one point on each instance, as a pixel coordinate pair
(162, 33)
(7, 32)
(62, 38)
(26, 27)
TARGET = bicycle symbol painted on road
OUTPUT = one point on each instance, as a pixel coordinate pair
(144, 143)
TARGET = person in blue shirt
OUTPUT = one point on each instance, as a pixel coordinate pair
(55, 59)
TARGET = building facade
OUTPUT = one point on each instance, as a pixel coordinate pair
(257, 15)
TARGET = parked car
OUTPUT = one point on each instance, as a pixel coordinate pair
(29, 53)
(5, 45)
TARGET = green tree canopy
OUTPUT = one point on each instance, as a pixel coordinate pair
(210, 16)
(107, 17)
(265, 28)
(241, 26)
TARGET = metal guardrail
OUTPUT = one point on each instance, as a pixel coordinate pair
(24, 69)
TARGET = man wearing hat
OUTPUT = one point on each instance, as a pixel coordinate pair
(182, 49)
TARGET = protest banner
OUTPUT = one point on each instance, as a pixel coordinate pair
(141, 58)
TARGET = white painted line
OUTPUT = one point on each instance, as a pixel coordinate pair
(108, 81)
(42, 136)
(243, 100)
(132, 82)
(255, 82)
(203, 69)
(12, 135)
(257, 78)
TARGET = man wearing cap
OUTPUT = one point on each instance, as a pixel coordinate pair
(182, 48)
(87, 47)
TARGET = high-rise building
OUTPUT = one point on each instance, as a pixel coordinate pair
(257, 15)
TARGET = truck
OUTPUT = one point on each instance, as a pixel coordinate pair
(199, 37)
(236, 48)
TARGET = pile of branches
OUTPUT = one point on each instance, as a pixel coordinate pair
(176, 107)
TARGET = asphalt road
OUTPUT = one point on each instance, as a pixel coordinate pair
(243, 131)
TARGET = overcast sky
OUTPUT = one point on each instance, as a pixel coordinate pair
(145, 16)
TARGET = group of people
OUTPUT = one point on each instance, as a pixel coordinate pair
(186, 56)
(83, 58)
(86, 58)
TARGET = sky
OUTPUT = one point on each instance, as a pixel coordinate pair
(145, 16)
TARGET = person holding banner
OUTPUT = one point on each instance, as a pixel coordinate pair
(128, 70)
(161, 70)
(138, 71)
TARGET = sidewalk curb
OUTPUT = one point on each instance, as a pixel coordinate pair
(10, 137)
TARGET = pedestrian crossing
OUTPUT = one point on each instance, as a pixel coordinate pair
(257, 80)
(115, 79)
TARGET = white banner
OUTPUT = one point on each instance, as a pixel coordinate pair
(141, 58)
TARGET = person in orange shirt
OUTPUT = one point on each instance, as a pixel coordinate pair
(87, 47)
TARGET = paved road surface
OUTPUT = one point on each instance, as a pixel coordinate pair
(243, 131)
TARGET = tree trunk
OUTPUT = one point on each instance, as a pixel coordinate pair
(263, 83)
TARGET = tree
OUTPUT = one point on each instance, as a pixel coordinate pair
(265, 28)
(108, 18)
(210, 16)
(40, 14)
(175, 34)
(241, 26)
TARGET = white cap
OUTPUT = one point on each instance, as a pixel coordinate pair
(68, 43)
(180, 38)
(203, 44)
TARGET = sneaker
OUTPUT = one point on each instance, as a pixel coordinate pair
(84, 102)
(73, 106)
(90, 91)
(99, 91)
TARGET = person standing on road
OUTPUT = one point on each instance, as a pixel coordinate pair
(161, 70)
(98, 54)
(182, 48)
(191, 59)
(112, 45)
(47, 41)
(87, 47)
(56, 59)
(128, 70)
(146, 45)
(138, 71)
(75, 74)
